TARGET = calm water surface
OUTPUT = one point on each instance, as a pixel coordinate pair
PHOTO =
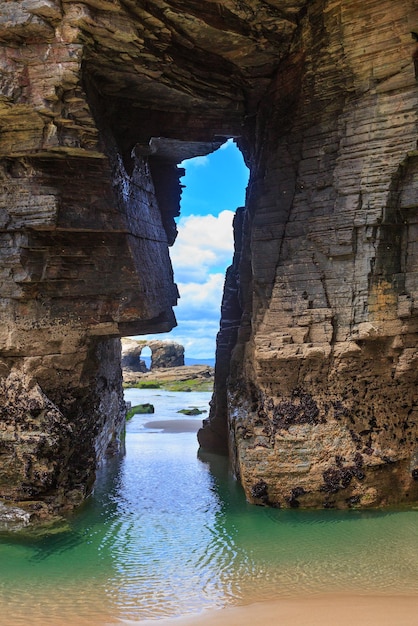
(168, 533)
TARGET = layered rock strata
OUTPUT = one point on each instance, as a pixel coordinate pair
(322, 395)
(99, 102)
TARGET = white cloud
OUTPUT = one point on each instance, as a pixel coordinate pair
(201, 300)
(198, 337)
(204, 245)
(203, 250)
(198, 341)
(198, 315)
(200, 256)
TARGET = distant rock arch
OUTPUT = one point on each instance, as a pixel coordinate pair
(164, 354)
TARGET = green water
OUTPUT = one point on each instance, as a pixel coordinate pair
(168, 533)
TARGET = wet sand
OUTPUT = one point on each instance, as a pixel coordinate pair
(176, 426)
(327, 610)
(343, 610)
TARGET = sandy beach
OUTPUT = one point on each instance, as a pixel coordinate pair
(329, 610)
(325, 610)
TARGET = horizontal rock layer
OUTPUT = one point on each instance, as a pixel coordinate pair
(322, 395)
(99, 102)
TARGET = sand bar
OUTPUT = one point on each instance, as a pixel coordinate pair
(175, 426)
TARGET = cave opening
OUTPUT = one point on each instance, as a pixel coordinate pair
(213, 188)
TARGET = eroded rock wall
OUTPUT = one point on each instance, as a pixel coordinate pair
(84, 259)
(99, 102)
(322, 399)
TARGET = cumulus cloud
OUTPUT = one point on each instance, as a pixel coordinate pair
(200, 256)
(201, 300)
(204, 245)
(198, 342)
(198, 336)
(198, 314)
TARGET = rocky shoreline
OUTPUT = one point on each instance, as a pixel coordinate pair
(183, 378)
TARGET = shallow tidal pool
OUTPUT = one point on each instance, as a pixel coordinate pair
(167, 532)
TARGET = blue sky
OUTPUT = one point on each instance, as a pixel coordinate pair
(215, 187)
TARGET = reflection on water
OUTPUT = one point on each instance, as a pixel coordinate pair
(168, 532)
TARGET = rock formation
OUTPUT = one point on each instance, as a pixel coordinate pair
(321, 402)
(182, 378)
(99, 102)
(163, 354)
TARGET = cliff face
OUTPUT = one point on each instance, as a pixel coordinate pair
(322, 396)
(99, 101)
(84, 256)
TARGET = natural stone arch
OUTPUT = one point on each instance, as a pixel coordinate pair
(99, 103)
(164, 354)
(131, 356)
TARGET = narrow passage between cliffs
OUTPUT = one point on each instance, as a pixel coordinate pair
(214, 187)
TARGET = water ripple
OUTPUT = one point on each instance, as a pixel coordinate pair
(168, 533)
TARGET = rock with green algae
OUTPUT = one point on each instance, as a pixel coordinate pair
(192, 411)
(146, 408)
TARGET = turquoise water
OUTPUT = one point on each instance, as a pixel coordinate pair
(168, 532)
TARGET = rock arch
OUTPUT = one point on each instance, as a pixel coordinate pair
(164, 354)
(99, 103)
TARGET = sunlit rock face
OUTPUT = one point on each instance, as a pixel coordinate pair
(322, 392)
(99, 102)
(323, 400)
(164, 354)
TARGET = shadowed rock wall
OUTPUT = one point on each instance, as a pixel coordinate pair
(99, 102)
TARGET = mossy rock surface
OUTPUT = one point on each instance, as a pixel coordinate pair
(141, 409)
(194, 384)
(192, 411)
(148, 385)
